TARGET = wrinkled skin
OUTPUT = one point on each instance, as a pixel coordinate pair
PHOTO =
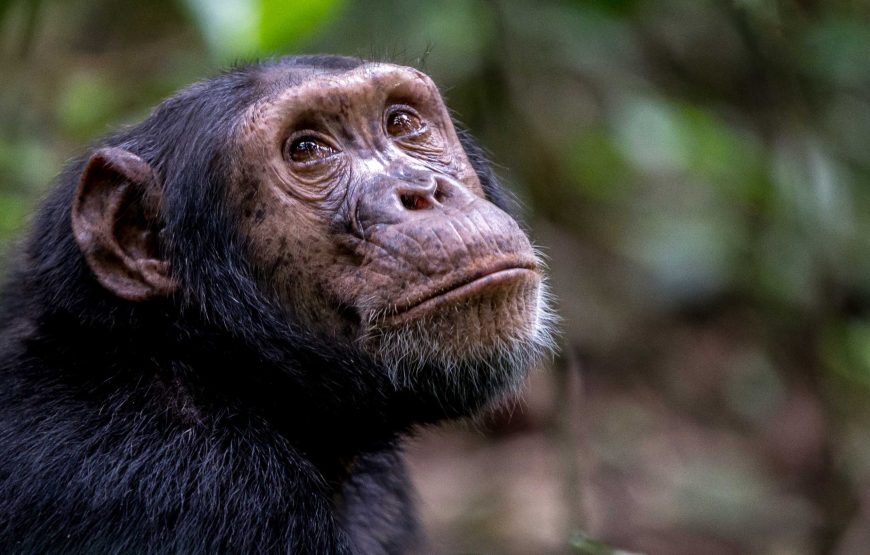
(396, 245)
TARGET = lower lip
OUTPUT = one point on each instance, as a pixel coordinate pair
(494, 280)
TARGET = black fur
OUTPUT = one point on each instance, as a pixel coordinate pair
(208, 422)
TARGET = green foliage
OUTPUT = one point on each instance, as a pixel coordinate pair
(246, 28)
(847, 351)
(87, 104)
(837, 51)
(598, 166)
(284, 23)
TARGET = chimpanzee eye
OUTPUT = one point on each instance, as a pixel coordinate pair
(402, 123)
(308, 149)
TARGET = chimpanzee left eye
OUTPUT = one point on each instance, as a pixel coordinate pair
(309, 149)
(402, 123)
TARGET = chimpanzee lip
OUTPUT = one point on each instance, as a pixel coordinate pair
(466, 285)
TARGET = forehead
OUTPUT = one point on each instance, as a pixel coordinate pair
(313, 87)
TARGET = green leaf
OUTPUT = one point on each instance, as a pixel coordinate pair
(236, 29)
(285, 22)
(229, 27)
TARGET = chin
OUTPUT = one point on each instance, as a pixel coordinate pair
(473, 345)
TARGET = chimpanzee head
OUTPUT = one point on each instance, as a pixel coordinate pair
(321, 209)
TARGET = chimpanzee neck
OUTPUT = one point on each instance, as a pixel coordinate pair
(195, 375)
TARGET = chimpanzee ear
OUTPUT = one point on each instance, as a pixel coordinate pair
(116, 222)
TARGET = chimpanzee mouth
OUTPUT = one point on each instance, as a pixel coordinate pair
(505, 275)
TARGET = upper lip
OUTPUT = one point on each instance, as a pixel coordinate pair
(461, 279)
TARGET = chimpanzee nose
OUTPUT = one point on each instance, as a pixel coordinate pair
(421, 197)
(432, 193)
(395, 200)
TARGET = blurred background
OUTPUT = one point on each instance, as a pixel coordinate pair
(697, 172)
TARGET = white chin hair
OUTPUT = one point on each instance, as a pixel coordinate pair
(470, 346)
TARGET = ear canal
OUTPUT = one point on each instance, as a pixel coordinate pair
(116, 223)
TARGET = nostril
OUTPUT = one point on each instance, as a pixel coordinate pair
(414, 201)
(440, 195)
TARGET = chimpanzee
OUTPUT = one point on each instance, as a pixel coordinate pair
(226, 318)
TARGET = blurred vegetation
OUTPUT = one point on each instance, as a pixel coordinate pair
(698, 173)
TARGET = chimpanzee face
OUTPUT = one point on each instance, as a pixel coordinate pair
(360, 213)
(365, 216)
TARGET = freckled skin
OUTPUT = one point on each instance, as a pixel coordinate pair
(350, 251)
